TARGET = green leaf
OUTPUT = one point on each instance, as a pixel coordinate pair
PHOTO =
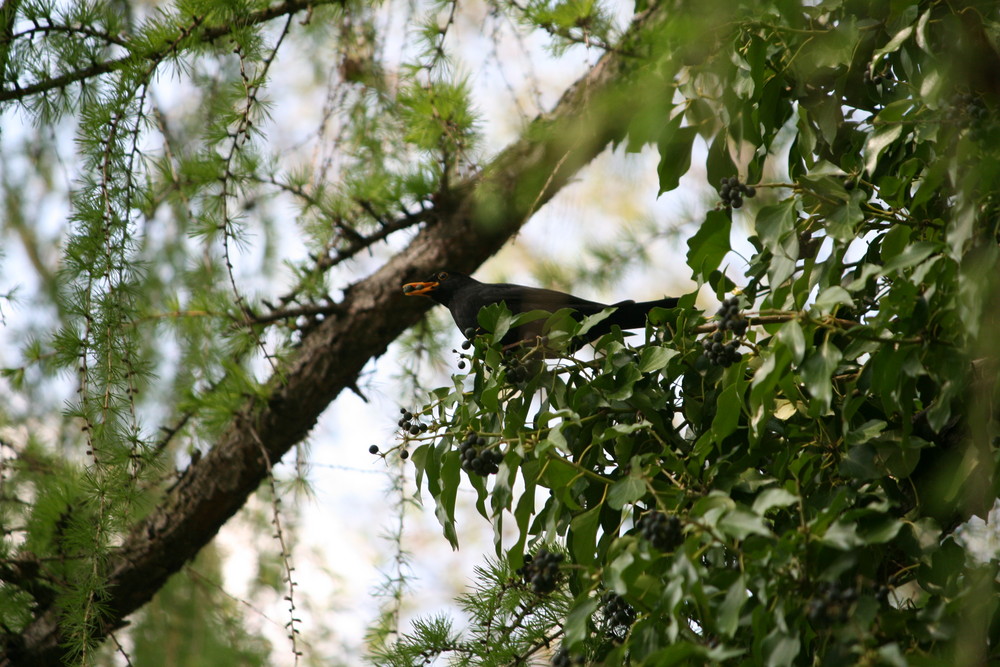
(895, 241)
(775, 223)
(842, 535)
(771, 498)
(445, 506)
(781, 649)
(709, 244)
(653, 358)
(626, 491)
(912, 254)
(775, 226)
(867, 431)
(729, 612)
(727, 415)
(719, 163)
(791, 335)
(880, 531)
(624, 381)
(878, 141)
(816, 374)
(740, 522)
(762, 388)
(831, 297)
(582, 537)
(675, 155)
(577, 626)
(842, 222)
(894, 43)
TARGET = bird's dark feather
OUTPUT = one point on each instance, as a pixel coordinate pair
(465, 296)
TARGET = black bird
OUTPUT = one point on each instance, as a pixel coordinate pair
(464, 296)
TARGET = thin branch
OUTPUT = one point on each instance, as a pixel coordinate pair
(207, 34)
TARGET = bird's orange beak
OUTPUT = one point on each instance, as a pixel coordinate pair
(419, 289)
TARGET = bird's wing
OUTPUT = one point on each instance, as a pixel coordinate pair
(520, 299)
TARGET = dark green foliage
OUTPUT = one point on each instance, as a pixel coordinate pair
(794, 503)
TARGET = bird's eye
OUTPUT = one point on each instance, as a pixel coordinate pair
(441, 277)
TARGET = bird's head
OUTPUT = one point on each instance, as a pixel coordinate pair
(441, 286)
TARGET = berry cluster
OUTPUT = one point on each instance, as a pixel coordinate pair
(563, 658)
(409, 423)
(541, 571)
(732, 192)
(730, 317)
(477, 459)
(967, 108)
(516, 370)
(469, 333)
(718, 352)
(832, 605)
(660, 530)
(618, 613)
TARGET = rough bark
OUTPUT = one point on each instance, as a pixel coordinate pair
(470, 224)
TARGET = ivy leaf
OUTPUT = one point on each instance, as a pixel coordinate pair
(781, 649)
(842, 535)
(816, 374)
(831, 297)
(445, 506)
(626, 491)
(894, 43)
(771, 498)
(727, 416)
(675, 155)
(654, 358)
(881, 139)
(582, 537)
(709, 244)
(740, 523)
(791, 335)
(729, 612)
(578, 620)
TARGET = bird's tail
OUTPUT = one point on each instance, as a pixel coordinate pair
(632, 315)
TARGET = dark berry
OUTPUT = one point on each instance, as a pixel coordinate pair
(461, 365)
(618, 614)
(404, 455)
(373, 449)
(414, 430)
(660, 530)
(542, 571)
(466, 344)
